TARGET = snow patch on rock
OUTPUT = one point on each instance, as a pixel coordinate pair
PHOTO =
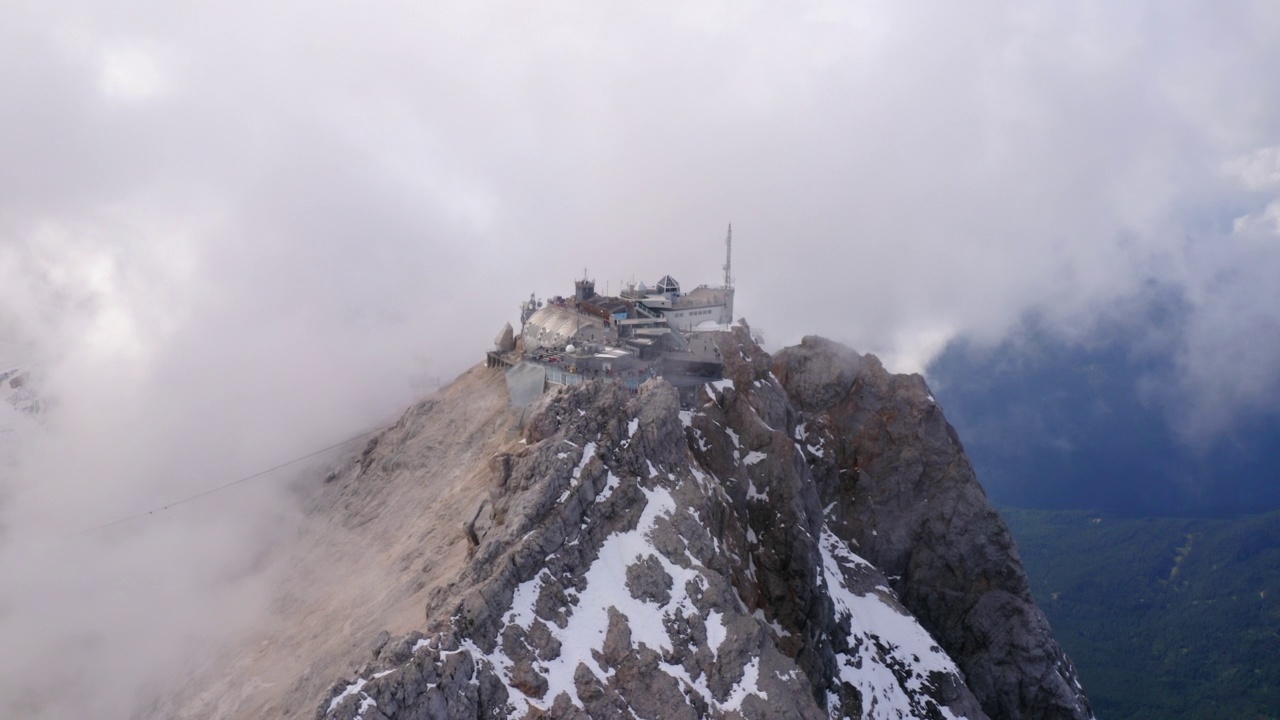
(892, 658)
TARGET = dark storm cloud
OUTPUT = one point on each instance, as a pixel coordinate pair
(238, 231)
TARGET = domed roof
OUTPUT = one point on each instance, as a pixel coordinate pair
(554, 327)
(668, 284)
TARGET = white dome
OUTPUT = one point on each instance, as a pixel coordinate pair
(552, 328)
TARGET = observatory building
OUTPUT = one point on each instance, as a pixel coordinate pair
(642, 332)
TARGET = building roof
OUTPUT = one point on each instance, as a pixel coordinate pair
(611, 305)
(703, 296)
(555, 327)
(640, 321)
(667, 285)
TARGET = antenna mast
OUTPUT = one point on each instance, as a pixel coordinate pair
(728, 258)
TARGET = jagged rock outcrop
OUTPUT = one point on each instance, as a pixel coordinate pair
(905, 495)
(807, 541)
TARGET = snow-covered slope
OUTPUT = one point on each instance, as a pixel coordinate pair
(633, 559)
(632, 608)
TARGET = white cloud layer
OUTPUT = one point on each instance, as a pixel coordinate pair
(237, 231)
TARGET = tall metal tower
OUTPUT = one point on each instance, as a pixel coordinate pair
(728, 258)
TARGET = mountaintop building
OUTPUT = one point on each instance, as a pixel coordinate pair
(640, 333)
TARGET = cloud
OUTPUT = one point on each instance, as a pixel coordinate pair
(238, 231)
(1258, 170)
(1228, 360)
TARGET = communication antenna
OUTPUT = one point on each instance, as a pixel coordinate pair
(728, 258)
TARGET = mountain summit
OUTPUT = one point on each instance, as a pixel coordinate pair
(805, 538)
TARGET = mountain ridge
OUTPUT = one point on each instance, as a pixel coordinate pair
(636, 559)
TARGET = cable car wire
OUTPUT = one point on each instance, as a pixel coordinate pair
(220, 488)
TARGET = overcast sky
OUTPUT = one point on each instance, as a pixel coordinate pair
(237, 231)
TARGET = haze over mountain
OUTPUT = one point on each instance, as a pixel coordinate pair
(801, 538)
(1056, 425)
(236, 232)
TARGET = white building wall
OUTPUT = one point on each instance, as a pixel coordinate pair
(689, 318)
(716, 306)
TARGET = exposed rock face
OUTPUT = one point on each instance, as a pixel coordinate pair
(634, 559)
(905, 495)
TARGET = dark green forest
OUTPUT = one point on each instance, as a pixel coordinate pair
(1164, 618)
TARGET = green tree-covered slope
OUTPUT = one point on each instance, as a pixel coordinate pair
(1165, 618)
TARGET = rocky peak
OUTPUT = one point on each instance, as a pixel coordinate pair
(902, 491)
(807, 541)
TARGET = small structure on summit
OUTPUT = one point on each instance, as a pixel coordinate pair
(506, 340)
(640, 333)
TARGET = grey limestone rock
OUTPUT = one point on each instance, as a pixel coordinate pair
(646, 580)
(806, 541)
(908, 500)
